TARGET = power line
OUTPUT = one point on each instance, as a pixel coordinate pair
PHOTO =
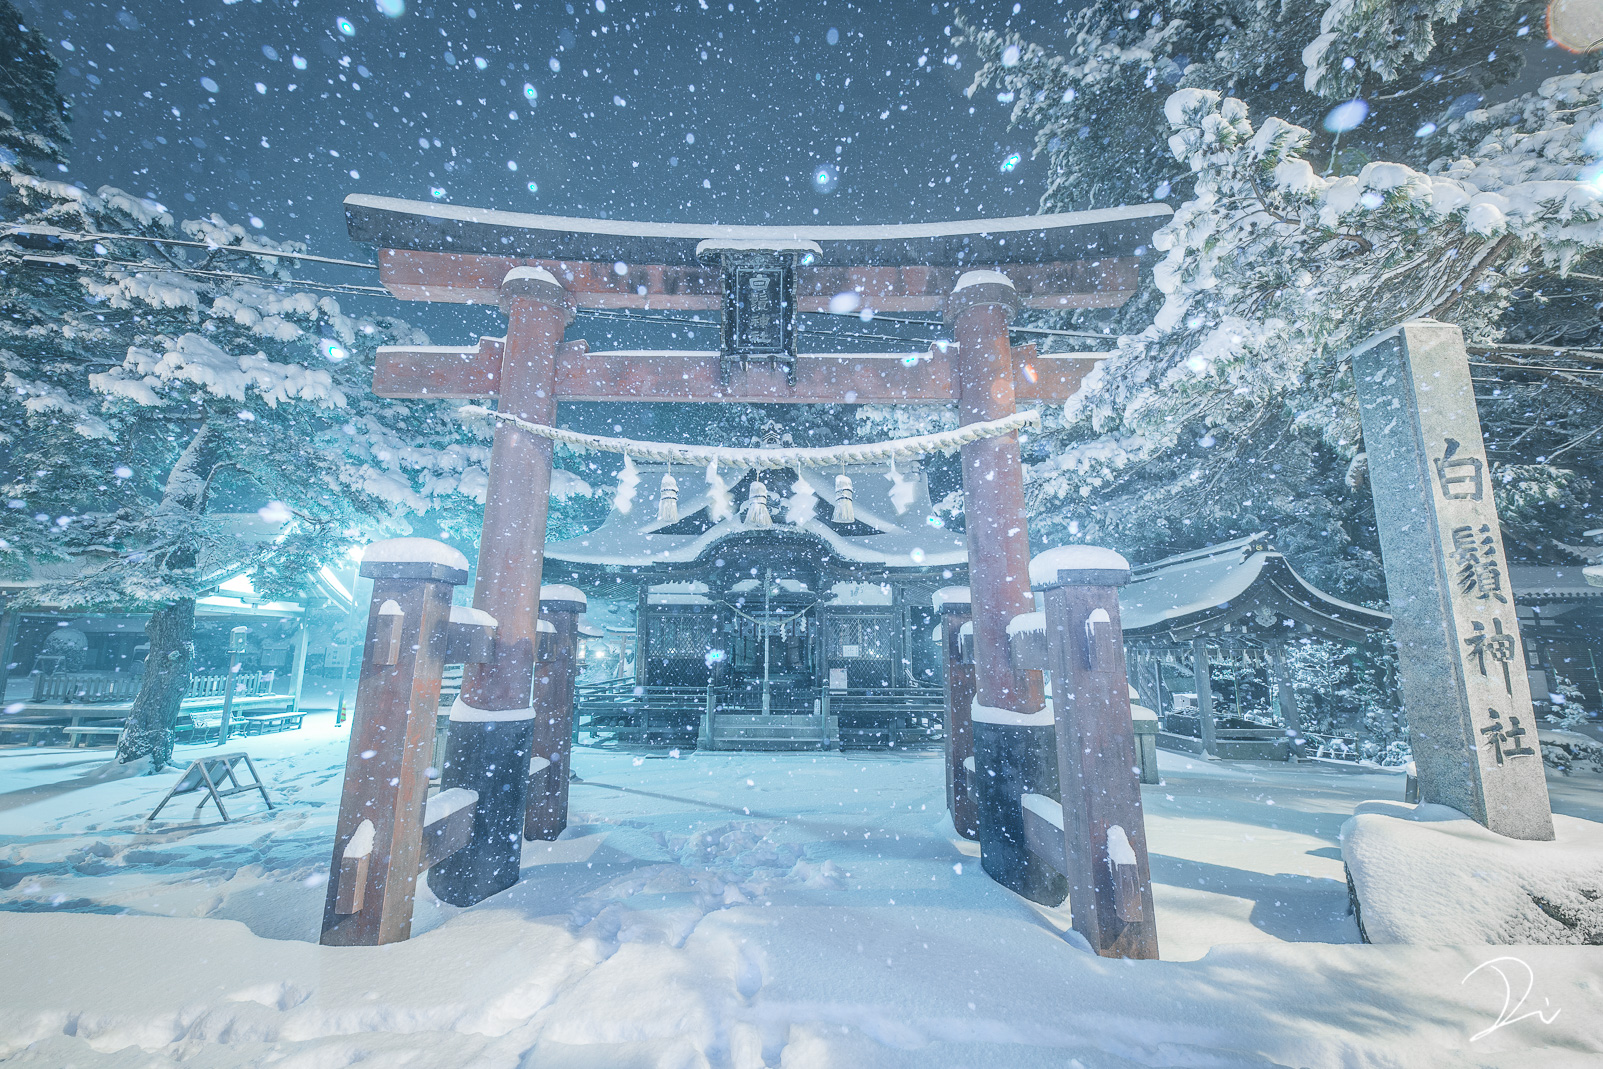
(326, 287)
(67, 235)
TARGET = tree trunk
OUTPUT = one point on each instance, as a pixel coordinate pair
(148, 731)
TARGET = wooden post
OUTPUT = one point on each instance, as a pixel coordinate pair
(952, 603)
(298, 669)
(492, 722)
(1459, 650)
(378, 842)
(1205, 720)
(1285, 692)
(1104, 830)
(546, 813)
(1012, 729)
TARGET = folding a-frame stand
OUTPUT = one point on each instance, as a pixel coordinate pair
(207, 774)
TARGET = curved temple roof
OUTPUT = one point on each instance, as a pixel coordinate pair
(392, 223)
(1192, 594)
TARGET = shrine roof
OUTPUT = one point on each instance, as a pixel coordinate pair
(1203, 592)
(880, 539)
(391, 223)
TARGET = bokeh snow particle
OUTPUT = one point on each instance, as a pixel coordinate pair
(832, 36)
(391, 8)
(346, 27)
(208, 85)
(1347, 116)
(1010, 56)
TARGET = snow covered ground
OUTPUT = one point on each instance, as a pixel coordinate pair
(733, 910)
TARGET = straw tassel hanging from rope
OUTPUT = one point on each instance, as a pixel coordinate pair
(845, 512)
(668, 500)
(757, 506)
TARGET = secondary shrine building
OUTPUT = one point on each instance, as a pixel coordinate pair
(798, 618)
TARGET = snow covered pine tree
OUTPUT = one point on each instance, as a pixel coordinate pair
(157, 376)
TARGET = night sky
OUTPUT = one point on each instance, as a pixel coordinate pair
(690, 111)
(270, 113)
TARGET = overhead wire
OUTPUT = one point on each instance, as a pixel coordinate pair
(69, 235)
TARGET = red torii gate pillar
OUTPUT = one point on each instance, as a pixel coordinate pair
(1012, 729)
(492, 723)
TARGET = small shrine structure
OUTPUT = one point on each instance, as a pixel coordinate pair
(1236, 601)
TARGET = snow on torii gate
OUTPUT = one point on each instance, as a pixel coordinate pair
(540, 269)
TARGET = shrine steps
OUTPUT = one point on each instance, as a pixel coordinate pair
(739, 731)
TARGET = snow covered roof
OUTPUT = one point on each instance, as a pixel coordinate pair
(1242, 583)
(879, 541)
(1539, 582)
(391, 223)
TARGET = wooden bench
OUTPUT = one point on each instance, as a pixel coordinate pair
(269, 723)
(33, 727)
(81, 735)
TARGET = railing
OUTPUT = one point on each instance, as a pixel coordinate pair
(888, 716)
(246, 685)
(93, 687)
(86, 686)
(625, 712)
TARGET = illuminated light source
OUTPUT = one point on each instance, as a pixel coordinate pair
(917, 555)
(1011, 162)
(825, 178)
(346, 27)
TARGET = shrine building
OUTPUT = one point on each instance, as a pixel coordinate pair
(814, 592)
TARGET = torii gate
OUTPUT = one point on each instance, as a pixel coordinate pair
(541, 269)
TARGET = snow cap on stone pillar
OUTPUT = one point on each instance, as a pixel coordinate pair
(975, 288)
(537, 284)
(414, 558)
(952, 599)
(1078, 566)
(559, 597)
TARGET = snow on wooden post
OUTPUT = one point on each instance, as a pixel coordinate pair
(952, 603)
(492, 722)
(1103, 829)
(1458, 641)
(1012, 731)
(546, 813)
(378, 841)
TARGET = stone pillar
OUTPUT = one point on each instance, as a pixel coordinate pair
(952, 603)
(1104, 830)
(549, 759)
(1458, 640)
(1204, 677)
(378, 842)
(1012, 730)
(492, 722)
